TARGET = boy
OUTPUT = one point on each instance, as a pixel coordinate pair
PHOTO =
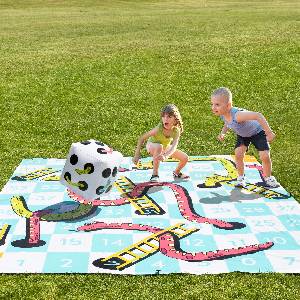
(250, 127)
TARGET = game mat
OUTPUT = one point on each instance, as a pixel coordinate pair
(205, 225)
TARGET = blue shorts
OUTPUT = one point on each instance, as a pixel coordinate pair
(259, 141)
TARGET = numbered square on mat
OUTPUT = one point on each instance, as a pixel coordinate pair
(68, 262)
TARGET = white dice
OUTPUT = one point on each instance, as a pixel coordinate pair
(91, 169)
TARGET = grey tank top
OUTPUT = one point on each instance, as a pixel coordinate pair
(244, 129)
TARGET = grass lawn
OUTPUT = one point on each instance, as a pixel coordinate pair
(74, 70)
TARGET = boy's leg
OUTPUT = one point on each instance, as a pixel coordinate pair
(270, 181)
(154, 149)
(183, 159)
(261, 144)
(239, 159)
(266, 162)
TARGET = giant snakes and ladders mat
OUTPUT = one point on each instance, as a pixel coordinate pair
(203, 225)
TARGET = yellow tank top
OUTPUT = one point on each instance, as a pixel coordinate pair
(160, 138)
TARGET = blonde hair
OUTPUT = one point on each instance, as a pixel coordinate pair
(172, 110)
(223, 91)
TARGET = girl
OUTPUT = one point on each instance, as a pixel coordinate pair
(162, 142)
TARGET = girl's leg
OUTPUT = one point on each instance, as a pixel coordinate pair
(239, 159)
(183, 159)
(266, 162)
(154, 149)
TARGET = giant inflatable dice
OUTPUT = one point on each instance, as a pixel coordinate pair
(91, 169)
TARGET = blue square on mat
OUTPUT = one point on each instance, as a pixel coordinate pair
(198, 209)
(139, 176)
(11, 222)
(66, 262)
(188, 185)
(5, 198)
(34, 161)
(240, 226)
(252, 263)
(68, 227)
(113, 242)
(253, 175)
(152, 221)
(51, 186)
(218, 166)
(157, 264)
(253, 209)
(282, 240)
(115, 212)
(158, 198)
(198, 243)
(174, 212)
(291, 222)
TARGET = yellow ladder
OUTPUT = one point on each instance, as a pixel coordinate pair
(144, 205)
(140, 250)
(260, 190)
(36, 174)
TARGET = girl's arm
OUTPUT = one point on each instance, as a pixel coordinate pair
(171, 150)
(140, 143)
(242, 116)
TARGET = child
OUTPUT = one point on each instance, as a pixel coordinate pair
(162, 142)
(250, 127)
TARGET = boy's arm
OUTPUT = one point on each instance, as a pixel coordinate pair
(221, 136)
(140, 143)
(242, 116)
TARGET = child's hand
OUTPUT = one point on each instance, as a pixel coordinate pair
(270, 136)
(221, 137)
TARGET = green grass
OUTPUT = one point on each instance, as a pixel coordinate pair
(74, 70)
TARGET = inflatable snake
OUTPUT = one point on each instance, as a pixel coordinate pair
(184, 203)
(32, 239)
(181, 194)
(97, 202)
(169, 244)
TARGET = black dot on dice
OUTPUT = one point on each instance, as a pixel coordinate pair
(67, 176)
(85, 143)
(89, 167)
(82, 185)
(106, 173)
(74, 159)
(115, 170)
